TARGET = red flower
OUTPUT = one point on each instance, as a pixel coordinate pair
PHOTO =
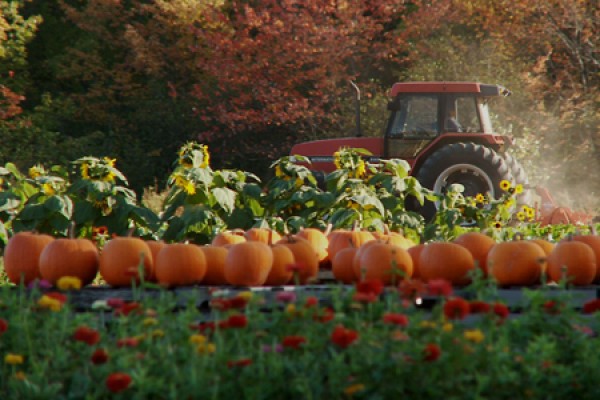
(237, 321)
(591, 306)
(552, 307)
(220, 304)
(3, 325)
(456, 308)
(242, 362)
(100, 356)
(325, 315)
(365, 297)
(411, 289)
(87, 335)
(372, 286)
(115, 302)
(311, 301)
(128, 342)
(57, 296)
(439, 287)
(118, 381)
(293, 342)
(204, 326)
(479, 307)
(395, 319)
(343, 337)
(432, 352)
(238, 302)
(501, 310)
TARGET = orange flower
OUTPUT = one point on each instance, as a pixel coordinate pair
(118, 382)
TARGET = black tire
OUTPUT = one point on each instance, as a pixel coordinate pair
(519, 177)
(478, 168)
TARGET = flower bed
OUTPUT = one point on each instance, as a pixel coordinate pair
(367, 342)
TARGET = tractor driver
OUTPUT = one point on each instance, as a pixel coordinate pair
(452, 124)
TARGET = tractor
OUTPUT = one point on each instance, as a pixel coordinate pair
(444, 131)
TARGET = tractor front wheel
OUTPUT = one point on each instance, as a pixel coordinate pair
(478, 168)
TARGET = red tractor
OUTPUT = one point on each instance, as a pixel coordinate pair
(444, 130)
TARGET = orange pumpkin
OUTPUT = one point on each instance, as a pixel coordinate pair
(479, 245)
(342, 238)
(69, 257)
(120, 259)
(304, 256)
(180, 264)
(248, 263)
(574, 261)
(215, 265)
(444, 260)
(263, 235)
(155, 246)
(519, 262)
(415, 254)
(386, 262)
(228, 237)
(342, 266)
(318, 240)
(395, 238)
(544, 244)
(280, 274)
(22, 256)
(594, 242)
(356, 263)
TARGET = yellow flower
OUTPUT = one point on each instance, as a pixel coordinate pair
(206, 348)
(336, 160)
(198, 339)
(35, 171)
(299, 182)
(150, 321)
(48, 189)
(85, 171)
(519, 189)
(278, 171)
(49, 303)
(109, 177)
(157, 333)
(427, 324)
(20, 376)
(505, 185)
(447, 327)
(246, 295)
(510, 202)
(361, 169)
(13, 359)
(480, 198)
(205, 158)
(474, 335)
(497, 225)
(529, 212)
(189, 188)
(69, 283)
(110, 161)
(521, 216)
(290, 309)
(352, 389)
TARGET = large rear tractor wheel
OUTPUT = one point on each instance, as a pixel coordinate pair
(478, 168)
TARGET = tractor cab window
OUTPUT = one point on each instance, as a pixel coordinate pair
(416, 116)
(462, 115)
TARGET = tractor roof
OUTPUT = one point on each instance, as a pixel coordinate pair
(476, 88)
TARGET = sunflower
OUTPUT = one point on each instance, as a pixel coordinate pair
(110, 161)
(519, 189)
(109, 177)
(521, 216)
(497, 225)
(480, 198)
(336, 160)
(361, 169)
(205, 158)
(36, 171)
(505, 185)
(48, 189)
(529, 212)
(85, 170)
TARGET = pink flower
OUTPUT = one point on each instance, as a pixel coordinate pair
(285, 297)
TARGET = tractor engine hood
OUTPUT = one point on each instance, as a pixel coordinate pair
(320, 152)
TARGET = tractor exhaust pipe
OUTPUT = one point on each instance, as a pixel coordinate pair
(357, 108)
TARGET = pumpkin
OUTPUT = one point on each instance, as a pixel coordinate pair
(215, 265)
(479, 245)
(356, 263)
(574, 261)
(318, 241)
(519, 262)
(342, 266)
(69, 257)
(280, 274)
(263, 235)
(415, 253)
(155, 246)
(228, 237)
(386, 262)
(22, 256)
(341, 238)
(248, 263)
(120, 259)
(544, 244)
(444, 260)
(594, 242)
(305, 256)
(180, 264)
(395, 238)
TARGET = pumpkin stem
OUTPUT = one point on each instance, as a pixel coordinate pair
(593, 230)
(328, 229)
(518, 236)
(71, 230)
(130, 231)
